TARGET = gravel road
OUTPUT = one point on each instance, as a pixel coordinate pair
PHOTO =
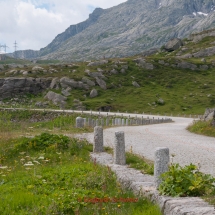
(187, 147)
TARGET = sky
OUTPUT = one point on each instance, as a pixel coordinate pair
(33, 24)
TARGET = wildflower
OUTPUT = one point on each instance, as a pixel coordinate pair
(29, 164)
(118, 206)
(3, 167)
(41, 158)
(36, 162)
(22, 153)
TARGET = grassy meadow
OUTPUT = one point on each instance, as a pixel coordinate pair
(44, 172)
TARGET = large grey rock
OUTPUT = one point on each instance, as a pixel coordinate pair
(187, 65)
(10, 87)
(135, 84)
(79, 122)
(55, 83)
(209, 114)
(101, 83)
(173, 44)
(205, 52)
(55, 98)
(67, 82)
(97, 63)
(93, 93)
(66, 92)
(88, 81)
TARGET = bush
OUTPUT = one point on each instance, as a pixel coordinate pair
(186, 181)
(43, 141)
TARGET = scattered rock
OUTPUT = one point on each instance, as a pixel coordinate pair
(93, 93)
(88, 81)
(160, 101)
(173, 44)
(101, 83)
(67, 82)
(187, 65)
(122, 71)
(97, 63)
(66, 92)
(114, 71)
(54, 84)
(1, 67)
(135, 84)
(205, 52)
(56, 98)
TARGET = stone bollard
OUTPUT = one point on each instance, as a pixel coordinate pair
(85, 122)
(126, 122)
(119, 148)
(98, 139)
(116, 121)
(79, 122)
(123, 122)
(93, 123)
(113, 122)
(119, 121)
(107, 122)
(161, 164)
(102, 122)
(97, 122)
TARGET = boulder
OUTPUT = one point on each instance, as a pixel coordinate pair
(186, 65)
(101, 83)
(173, 44)
(114, 71)
(142, 63)
(209, 114)
(88, 81)
(38, 69)
(97, 63)
(93, 93)
(1, 67)
(67, 82)
(56, 98)
(66, 92)
(10, 87)
(54, 84)
(135, 84)
(205, 52)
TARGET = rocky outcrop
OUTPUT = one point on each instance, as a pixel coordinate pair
(173, 44)
(11, 87)
(205, 52)
(101, 83)
(67, 82)
(56, 98)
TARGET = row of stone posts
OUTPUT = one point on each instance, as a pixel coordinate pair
(161, 161)
(84, 122)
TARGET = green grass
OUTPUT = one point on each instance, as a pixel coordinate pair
(61, 181)
(203, 128)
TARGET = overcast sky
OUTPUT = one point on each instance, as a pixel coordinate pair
(35, 23)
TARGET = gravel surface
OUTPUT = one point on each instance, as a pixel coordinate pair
(187, 147)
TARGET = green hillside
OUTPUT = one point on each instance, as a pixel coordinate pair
(184, 90)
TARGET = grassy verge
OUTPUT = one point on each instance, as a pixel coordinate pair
(136, 161)
(51, 174)
(203, 128)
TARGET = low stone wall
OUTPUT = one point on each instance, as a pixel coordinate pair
(143, 185)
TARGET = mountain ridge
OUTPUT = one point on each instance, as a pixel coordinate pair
(129, 29)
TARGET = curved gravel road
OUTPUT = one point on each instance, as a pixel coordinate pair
(187, 147)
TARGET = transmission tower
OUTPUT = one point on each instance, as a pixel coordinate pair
(15, 47)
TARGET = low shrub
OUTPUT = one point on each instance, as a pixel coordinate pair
(186, 181)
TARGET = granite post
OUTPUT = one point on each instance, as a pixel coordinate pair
(98, 139)
(161, 163)
(119, 148)
(79, 122)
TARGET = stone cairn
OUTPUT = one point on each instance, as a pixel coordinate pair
(114, 121)
(161, 162)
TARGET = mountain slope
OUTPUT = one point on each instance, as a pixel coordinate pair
(130, 28)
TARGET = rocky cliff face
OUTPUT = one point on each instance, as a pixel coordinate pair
(130, 28)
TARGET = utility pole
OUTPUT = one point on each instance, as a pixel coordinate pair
(15, 47)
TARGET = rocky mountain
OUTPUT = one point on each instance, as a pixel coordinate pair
(129, 29)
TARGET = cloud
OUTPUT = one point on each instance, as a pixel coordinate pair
(35, 23)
